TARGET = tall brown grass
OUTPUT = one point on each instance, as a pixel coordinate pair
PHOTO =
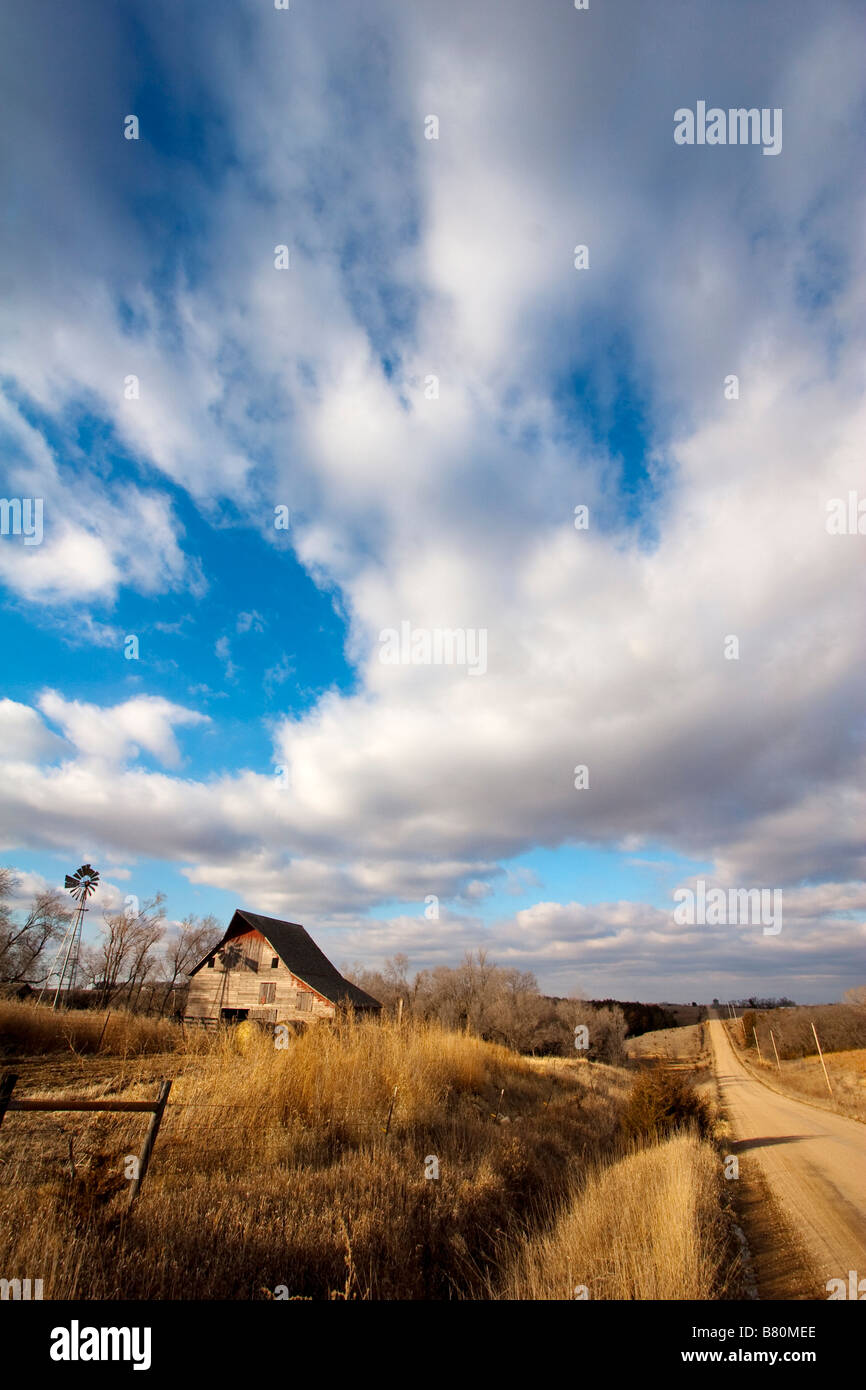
(37, 1029)
(648, 1227)
(272, 1169)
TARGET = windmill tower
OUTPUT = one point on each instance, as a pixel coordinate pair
(230, 956)
(80, 884)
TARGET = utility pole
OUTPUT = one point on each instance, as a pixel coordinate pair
(821, 1055)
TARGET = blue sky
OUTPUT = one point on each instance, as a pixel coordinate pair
(430, 389)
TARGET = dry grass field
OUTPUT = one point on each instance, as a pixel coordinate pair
(37, 1030)
(670, 1045)
(273, 1175)
(803, 1078)
(650, 1226)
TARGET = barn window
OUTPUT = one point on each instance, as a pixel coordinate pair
(267, 993)
(305, 1000)
(275, 962)
(210, 964)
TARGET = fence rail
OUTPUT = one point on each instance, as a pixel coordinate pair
(155, 1108)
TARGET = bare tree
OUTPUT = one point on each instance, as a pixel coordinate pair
(193, 938)
(517, 1011)
(124, 957)
(395, 973)
(149, 931)
(23, 954)
(607, 1029)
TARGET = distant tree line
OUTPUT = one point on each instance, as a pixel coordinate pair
(640, 1018)
(498, 1004)
(753, 1002)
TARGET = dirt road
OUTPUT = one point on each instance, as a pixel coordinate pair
(810, 1164)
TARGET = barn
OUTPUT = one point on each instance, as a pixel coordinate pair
(271, 971)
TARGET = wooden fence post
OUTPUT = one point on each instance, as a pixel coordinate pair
(776, 1050)
(104, 1026)
(7, 1086)
(821, 1055)
(758, 1045)
(149, 1141)
(498, 1105)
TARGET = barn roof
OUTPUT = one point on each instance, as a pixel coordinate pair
(297, 949)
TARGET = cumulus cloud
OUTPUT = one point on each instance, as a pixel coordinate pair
(119, 733)
(24, 736)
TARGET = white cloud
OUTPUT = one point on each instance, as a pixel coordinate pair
(24, 737)
(119, 733)
(94, 537)
(222, 649)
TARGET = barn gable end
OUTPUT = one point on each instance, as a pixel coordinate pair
(269, 970)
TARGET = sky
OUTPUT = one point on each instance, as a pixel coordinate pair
(314, 359)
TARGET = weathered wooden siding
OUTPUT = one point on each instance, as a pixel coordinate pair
(214, 988)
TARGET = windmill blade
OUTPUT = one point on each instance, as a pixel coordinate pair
(83, 882)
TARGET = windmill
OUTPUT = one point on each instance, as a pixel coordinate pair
(80, 884)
